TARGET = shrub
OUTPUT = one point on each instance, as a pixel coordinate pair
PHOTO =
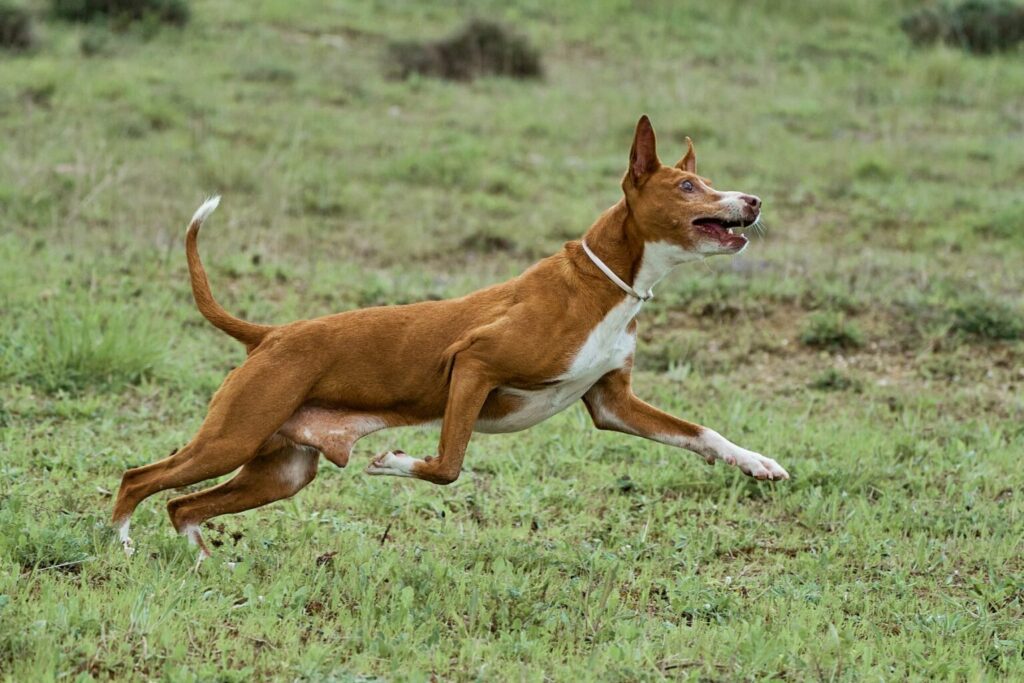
(987, 319)
(16, 32)
(95, 42)
(175, 12)
(480, 48)
(487, 243)
(833, 380)
(829, 330)
(981, 26)
(1001, 223)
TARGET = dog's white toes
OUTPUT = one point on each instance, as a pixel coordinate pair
(760, 467)
(778, 472)
(395, 464)
(774, 470)
(757, 471)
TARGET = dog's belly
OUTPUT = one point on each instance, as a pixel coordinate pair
(535, 406)
(609, 346)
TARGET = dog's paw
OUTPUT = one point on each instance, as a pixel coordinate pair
(760, 467)
(127, 545)
(393, 463)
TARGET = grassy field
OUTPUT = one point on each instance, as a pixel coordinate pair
(872, 342)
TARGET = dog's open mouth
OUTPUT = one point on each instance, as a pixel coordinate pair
(724, 231)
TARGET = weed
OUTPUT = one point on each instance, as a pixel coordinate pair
(982, 26)
(1003, 223)
(831, 330)
(16, 30)
(480, 48)
(96, 41)
(59, 545)
(834, 380)
(487, 243)
(986, 318)
(174, 12)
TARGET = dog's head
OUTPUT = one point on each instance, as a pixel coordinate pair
(674, 205)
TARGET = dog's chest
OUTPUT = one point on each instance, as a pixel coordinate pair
(608, 347)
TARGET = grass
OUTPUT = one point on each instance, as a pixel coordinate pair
(829, 330)
(890, 176)
(74, 346)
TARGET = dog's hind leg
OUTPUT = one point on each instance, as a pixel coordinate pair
(252, 403)
(268, 477)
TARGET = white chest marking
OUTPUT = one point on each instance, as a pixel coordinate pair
(608, 347)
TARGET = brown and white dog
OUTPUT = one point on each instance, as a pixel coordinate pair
(498, 360)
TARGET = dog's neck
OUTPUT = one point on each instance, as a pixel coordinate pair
(617, 240)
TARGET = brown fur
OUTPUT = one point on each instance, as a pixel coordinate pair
(319, 385)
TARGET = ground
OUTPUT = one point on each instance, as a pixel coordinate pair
(870, 341)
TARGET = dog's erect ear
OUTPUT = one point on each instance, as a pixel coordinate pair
(643, 157)
(689, 161)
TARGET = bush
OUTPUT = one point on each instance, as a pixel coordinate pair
(175, 12)
(987, 319)
(481, 48)
(833, 380)
(16, 32)
(829, 330)
(981, 26)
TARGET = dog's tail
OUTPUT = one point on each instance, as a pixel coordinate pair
(246, 332)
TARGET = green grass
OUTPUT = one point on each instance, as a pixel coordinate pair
(891, 181)
(830, 330)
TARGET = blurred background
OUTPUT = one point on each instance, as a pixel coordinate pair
(377, 152)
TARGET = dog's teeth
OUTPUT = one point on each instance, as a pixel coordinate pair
(729, 230)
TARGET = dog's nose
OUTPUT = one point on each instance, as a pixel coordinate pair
(752, 201)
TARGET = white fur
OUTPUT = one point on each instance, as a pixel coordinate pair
(733, 200)
(204, 211)
(126, 540)
(605, 417)
(296, 471)
(191, 531)
(609, 346)
(714, 446)
(394, 464)
(658, 261)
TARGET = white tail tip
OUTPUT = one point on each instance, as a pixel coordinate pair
(204, 211)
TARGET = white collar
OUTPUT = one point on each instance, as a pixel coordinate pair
(615, 278)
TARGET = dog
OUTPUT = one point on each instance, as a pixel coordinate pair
(501, 359)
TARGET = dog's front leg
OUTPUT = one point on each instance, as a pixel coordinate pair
(467, 392)
(613, 405)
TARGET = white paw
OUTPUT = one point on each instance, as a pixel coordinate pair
(199, 560)
(126, 541)
(760, 467)
(394, 464)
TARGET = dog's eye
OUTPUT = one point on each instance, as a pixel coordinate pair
(686, 186)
